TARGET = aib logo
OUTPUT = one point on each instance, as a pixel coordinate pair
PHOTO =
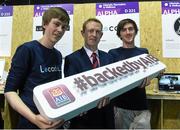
(58, 96)
(177, 26)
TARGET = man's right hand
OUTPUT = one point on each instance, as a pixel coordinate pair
(42, 123)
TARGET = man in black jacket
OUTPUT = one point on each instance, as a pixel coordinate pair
(84, 59)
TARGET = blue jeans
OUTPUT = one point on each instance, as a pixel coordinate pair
(132, 119)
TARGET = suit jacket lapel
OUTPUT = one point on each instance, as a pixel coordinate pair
(101, 59)
(85, 58)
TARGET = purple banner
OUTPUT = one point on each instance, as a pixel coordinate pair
(170, 7)
(39, 9)
(6, 11)
(115, 8)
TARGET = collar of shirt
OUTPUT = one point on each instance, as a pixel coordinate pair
(89, 53)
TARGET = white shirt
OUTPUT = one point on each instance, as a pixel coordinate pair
(89, 53)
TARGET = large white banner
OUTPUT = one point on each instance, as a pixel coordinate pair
(171, 29)
(110, 14)
(68, 97)
(6, 20)
(65, 45)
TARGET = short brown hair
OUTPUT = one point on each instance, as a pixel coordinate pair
(55, 12)
(91, 20)
(123, 22)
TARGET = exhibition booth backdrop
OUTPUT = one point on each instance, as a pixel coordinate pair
(150, 26)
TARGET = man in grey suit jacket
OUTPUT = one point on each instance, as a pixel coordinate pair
(82, 60)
